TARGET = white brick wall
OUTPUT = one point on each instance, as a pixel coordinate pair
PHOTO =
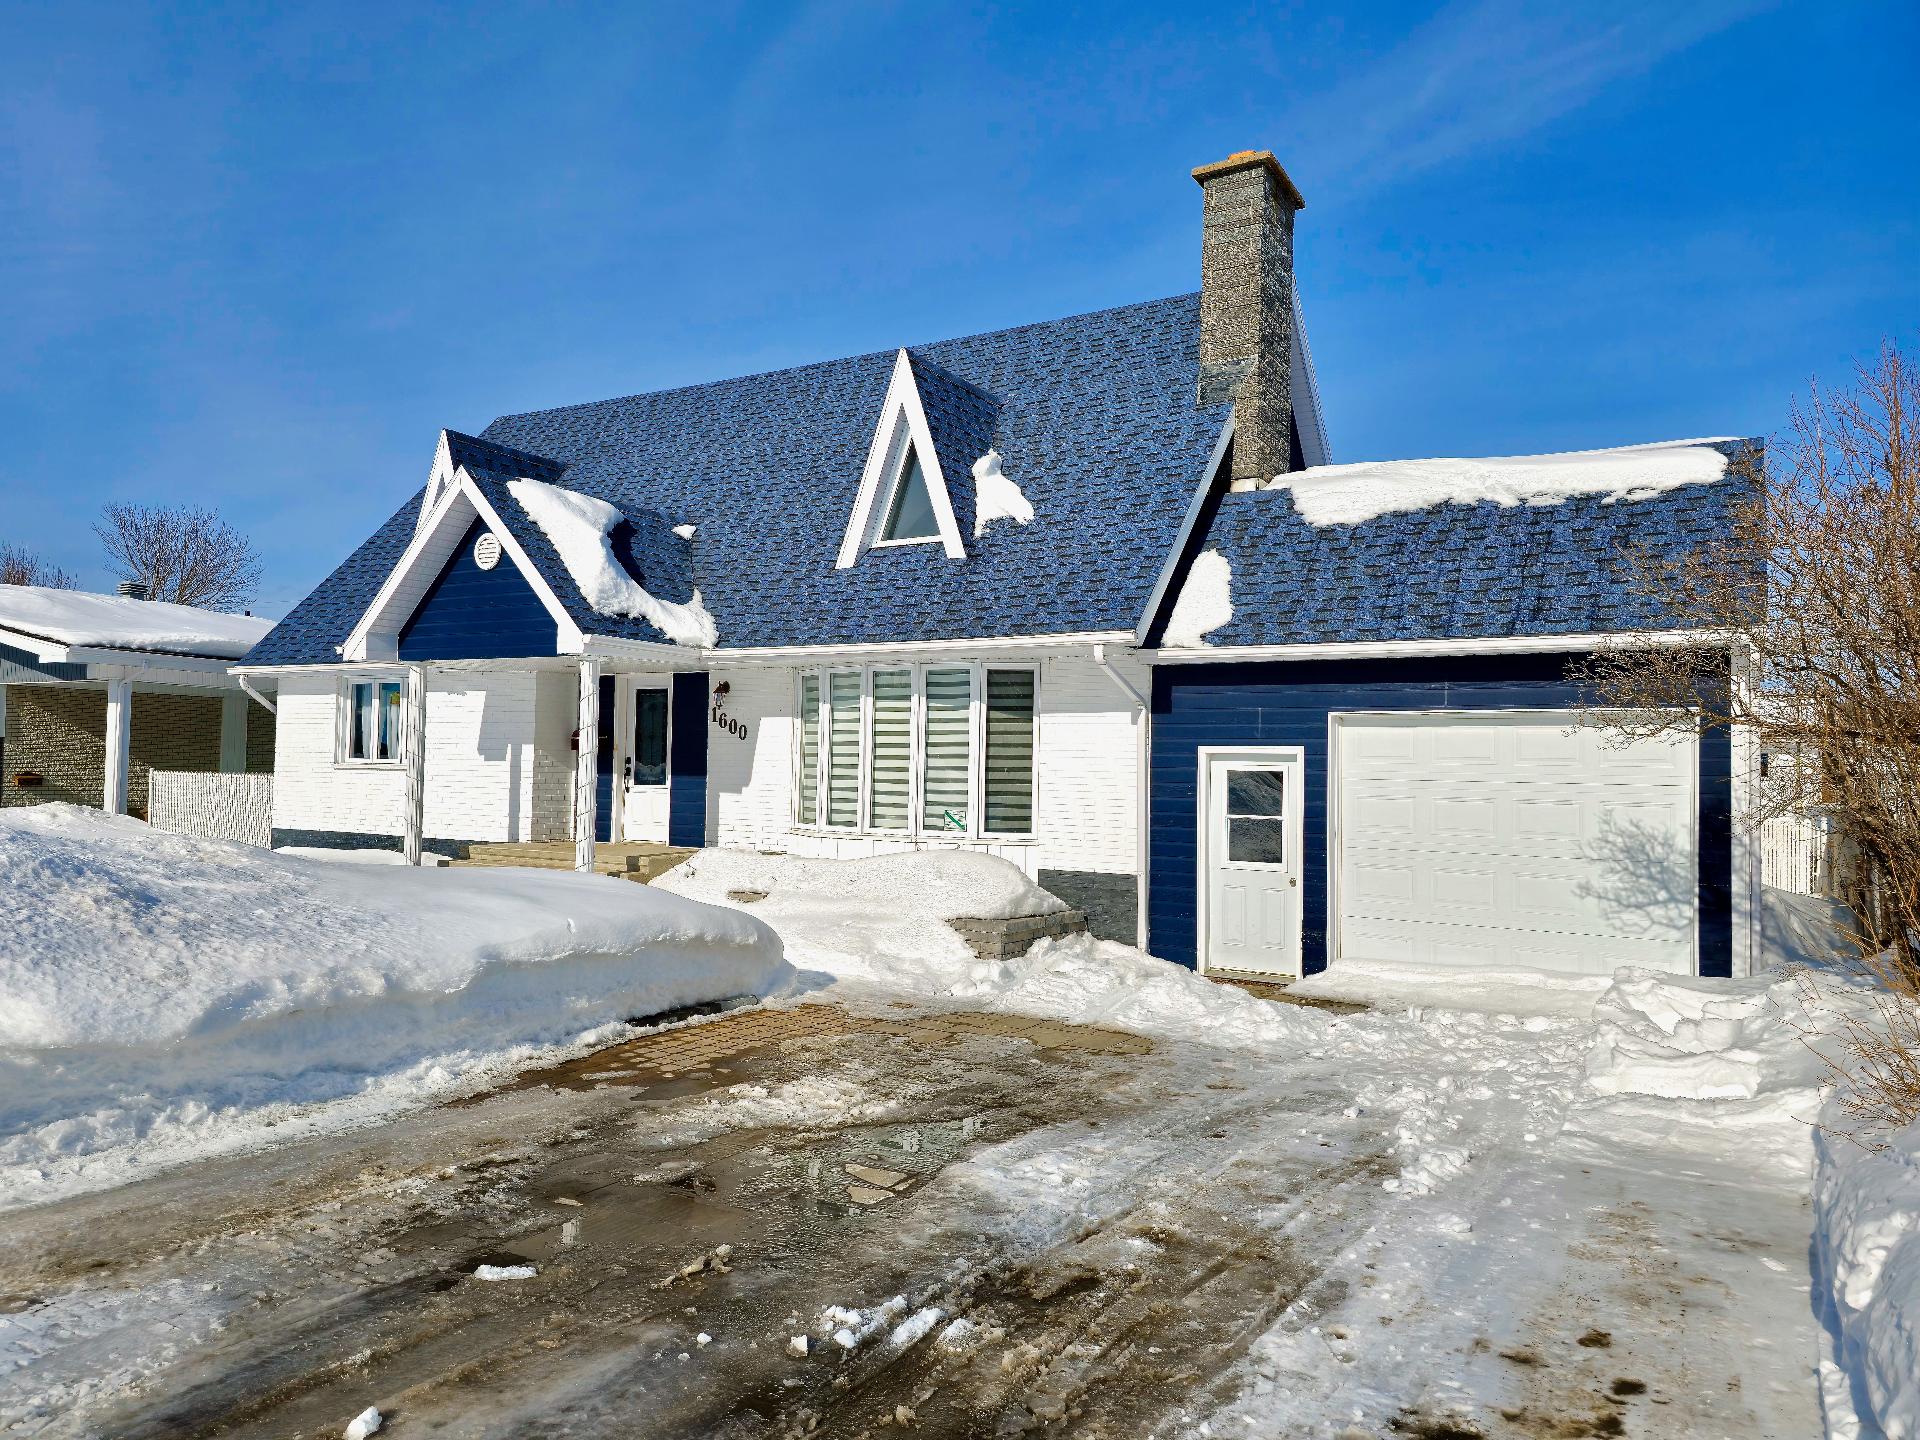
(1085, 797)
(494, 743)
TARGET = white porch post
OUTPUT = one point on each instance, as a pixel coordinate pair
(415, 744)
(119, 721)
(233, 733)
(584, 778)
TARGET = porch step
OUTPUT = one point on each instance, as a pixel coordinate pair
(634, 860)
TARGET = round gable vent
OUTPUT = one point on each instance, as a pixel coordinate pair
(486, 551)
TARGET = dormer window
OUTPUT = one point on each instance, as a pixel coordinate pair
(903, 497)
(910, 514)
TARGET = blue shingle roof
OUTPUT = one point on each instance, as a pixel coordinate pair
(1093, 417)
(1456, 571)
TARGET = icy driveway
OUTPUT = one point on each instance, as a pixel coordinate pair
(1089, 1234)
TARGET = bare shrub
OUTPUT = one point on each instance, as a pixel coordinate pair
(1814, 591)
(19, 566)
(185, 555)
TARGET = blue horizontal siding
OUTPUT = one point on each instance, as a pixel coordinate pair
(474, 614)
(687, 761)
(1289, 704)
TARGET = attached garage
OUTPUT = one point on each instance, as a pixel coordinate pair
(1512, 838)
(1445, 810)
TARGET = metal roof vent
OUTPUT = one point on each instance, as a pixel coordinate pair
(135, 589)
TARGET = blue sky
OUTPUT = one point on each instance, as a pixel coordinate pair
(257, 257)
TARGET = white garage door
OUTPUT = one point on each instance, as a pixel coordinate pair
(1512, 838)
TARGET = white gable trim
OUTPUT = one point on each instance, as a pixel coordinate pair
(1309, 422)
(1170, 568)
(439, 481)
(459, 504)
(903, 418)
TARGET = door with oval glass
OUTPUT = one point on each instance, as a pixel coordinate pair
(644, 804)
(1250, 861)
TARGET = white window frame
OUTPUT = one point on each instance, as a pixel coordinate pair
(916, 828)
(343, 758)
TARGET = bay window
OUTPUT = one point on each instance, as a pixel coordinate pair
(929, 750)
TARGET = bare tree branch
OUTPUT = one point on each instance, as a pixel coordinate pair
(1818, 584)
(185, 555)
(20, 566)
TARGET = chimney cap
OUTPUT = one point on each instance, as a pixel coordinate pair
(1248, 160)
(134, 589)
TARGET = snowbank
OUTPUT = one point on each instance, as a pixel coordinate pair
(75, 617)
(581, 527)
(1490, 990)
(1866, 1245)
(1353, 494)
(158, 993)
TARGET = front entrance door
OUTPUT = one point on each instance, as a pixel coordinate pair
(1250, 861)
(644, 810)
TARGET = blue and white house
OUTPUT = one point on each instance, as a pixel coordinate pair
(1088, 594)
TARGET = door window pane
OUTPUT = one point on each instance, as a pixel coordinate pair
(949, 750)
(887, 807)
(1256, 792)
(649, 737)
(843, 747)
(809, 747)
(1008, 792)
(1257, 842)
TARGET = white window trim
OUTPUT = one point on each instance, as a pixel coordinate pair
(343, 719)
(903, 420)
(916, 829)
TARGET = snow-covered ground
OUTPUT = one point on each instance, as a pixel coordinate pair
(1568, 1210)
(164, 998)
(1676, 1086)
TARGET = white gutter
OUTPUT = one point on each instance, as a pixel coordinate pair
(1142, 759)
(261, 700)
(1408, 649)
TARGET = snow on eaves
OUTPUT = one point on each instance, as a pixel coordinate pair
(996, 496)
(1354, 494)
(581, 527)
(113, 622)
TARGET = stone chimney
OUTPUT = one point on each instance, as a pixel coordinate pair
(134, 589)
(1246, 307)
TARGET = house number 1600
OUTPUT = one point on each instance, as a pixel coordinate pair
(735, 728)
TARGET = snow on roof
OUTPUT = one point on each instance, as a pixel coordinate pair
(581, 529)
(1353, 494)
(114, 622)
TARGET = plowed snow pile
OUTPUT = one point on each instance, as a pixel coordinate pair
(163, 997)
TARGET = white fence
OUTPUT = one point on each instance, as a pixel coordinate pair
(1793, 853)
(214, 807)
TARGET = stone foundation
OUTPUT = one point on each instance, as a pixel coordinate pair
(1004, 939)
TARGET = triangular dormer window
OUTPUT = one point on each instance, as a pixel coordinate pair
(910, 512)
(903, 496)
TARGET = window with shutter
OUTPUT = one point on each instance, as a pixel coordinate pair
(809, 748)
(843, 748)
(890, 784)
(949, 762)
(1007, 792)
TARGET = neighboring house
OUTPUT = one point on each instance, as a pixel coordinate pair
(1039, 592)
(99, 691)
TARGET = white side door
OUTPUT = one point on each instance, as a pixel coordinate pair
(644, 768)
(1250, 861)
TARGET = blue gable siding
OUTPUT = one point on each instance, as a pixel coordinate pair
(1288, 704)
(687, 761)
(474, 614)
